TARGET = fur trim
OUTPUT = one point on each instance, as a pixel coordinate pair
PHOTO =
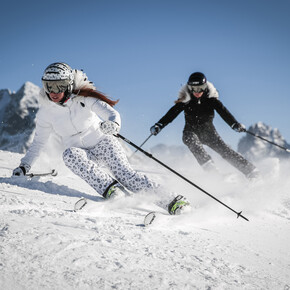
(81, 81)
(184, 93)
(43, 99)
(213, 92)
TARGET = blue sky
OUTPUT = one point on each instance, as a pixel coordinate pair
(141, 52)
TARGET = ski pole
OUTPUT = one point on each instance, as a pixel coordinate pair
(52, 173)
(239, 214)
(253, 134)
(141, 145)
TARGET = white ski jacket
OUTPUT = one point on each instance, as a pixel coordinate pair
(76, 122)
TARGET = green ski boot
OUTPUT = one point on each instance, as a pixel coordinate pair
(114, 190)
(177, 205)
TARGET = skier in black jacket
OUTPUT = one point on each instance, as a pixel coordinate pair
(199, 99)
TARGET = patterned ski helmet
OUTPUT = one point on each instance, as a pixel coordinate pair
(58, 77)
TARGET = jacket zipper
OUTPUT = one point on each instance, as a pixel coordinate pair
(71, 120)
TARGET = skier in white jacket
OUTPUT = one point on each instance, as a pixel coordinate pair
(85, 121)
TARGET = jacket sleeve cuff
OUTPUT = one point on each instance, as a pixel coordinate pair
(26, 167)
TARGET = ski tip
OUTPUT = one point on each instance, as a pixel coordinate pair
(149, 218)
(53, 172)
(80, 204)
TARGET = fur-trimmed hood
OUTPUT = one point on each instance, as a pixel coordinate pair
(184, 95)
(81, 81)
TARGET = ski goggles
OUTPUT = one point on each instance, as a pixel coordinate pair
(55, 86)
(197, 89)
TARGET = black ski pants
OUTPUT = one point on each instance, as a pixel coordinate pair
(194, 137)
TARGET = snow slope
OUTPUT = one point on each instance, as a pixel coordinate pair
(44, 244)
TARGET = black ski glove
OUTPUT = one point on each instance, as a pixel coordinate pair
(19, 171)
(238, 127)
(156, 129)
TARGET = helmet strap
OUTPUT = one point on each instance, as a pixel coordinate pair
(65, 98)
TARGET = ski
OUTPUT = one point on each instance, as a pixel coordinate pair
(80, 204)
(149, 218)
(178, 204)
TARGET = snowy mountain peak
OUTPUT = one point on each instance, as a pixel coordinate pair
(4, 94)
(17, 117)
(27, 96)
(4, 100)
(254, 148)
(265, 130)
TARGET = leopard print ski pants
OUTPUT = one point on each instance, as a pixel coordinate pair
(93, 165)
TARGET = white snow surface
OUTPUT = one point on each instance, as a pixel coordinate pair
(44, 244)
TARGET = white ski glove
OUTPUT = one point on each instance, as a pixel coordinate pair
(110, 127)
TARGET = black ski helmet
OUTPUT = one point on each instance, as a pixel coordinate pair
(196, 79)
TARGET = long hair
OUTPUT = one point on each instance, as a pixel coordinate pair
(86, 92)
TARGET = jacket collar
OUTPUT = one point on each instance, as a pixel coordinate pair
(185, 94)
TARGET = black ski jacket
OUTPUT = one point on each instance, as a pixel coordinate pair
(198, 111)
